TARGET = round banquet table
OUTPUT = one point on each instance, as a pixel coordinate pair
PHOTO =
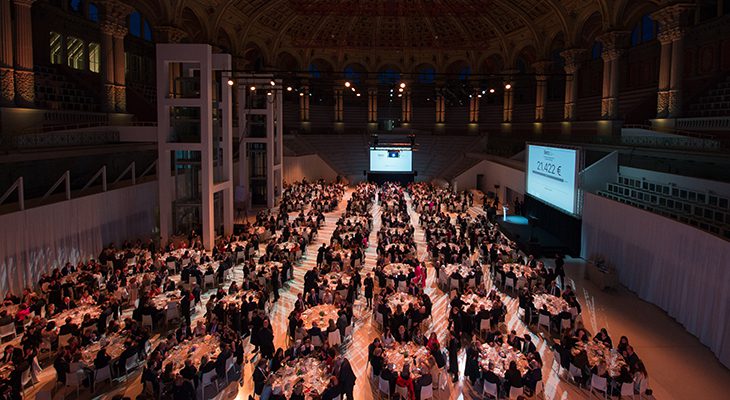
(320, 314)
(400, 299)
(597, 351)
(554, 305)
(400, 354)
(501, 357)
(310, 371)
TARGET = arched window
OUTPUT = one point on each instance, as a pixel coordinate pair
(93, 12)
(146, 31)
(388, 77)
(596, 50)
(644, 31)
(135, 24)
(314, 71)
(75, 5)
(352, 75)
(426, 75)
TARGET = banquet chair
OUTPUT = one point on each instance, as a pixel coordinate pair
(402, 391)
(334, 338)
(573, 312)
(379, 319)
(64, 339)
(539, 389)
(575, 373)
(565, 324)
(348, 332)
(7, 331)
(206, 380)
(509, 283)
(147, 321)
(384, 387)
(599, 384)
(427, 392)
(316, 341)
(25, 379)
(100, 375)
(209, 280)
(130, 364)
(627, 389)
(172, 267)
(172, 312)
(74, 379)
(454, 284)
(402, 286)
(229, 366)
(556, 362)
(490, 389)
(514, 392)
(543, 320)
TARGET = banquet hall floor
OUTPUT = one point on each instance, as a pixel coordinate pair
(679, 366)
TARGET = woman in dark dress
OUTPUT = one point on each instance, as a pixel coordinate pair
(266, 340)
(454, 345)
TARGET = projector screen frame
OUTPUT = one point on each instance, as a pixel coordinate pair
(372, 148)
(577, 186)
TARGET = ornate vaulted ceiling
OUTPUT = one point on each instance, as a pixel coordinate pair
(404, 32)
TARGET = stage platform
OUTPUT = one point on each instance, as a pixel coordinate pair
(532, 240)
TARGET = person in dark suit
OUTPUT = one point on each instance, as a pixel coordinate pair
(332, 391)
(189, 372)
(69, 328)
(512, 377)
(368, 284)
(347, 380)
(182, 389)
(260, 374)
(533, 376)
(527, 347)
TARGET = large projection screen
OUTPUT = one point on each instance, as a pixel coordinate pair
(552, 175)
(391, 159)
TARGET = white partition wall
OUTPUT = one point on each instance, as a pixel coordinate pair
(261, 138)
(194, 140)
(679, 268)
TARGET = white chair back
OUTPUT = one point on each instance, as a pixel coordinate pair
(402, 391)
(627, 389)
(574, 371)
(64, 339)
(316, 341)
(103, 374)
(598, 383)
(514, 392)
(490, 389)
(384, 386)
(334, 338)
(7, 330)
(543, 320)
(427, 392)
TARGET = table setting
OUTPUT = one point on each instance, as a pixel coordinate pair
(501, 357)
(400, 299)
(77, 314)
(554, 305)
(598, 351)
(320, 314)
(310, 371)
(400, 354)
(194, 349)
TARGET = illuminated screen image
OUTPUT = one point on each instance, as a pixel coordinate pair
(551, 175)
(383, 159)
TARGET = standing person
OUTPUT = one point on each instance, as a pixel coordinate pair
(260, 376)
(266, 340)
(369, 284)
(185, 306)
(453, 347)
(560, 269)
(347, 379)
(320, 255)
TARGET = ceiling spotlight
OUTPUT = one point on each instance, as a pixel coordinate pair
(470, 96)
(268, 93)
(272, 83)
(230, 82)
(508, 86)
(288, 89)
(253, 87)
(353, 89)
(400, 90)
(347, 84)
(484, 91)
(357, 94)
(400, 95)
(491, 90)
(479, 96)
(301, 94)
(402, 84)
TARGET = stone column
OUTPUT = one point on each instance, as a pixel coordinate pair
(614, 44)
(23, 74)
(304, 104)
(474, 106)
(7, 71)
(508, 104)
(440, 106)
(170, 34)
(107, 29)
(573, 58)
(407, 106)
(373, 104)
(672, 21)
(339, 105)
(541, 68)
(120, 88)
